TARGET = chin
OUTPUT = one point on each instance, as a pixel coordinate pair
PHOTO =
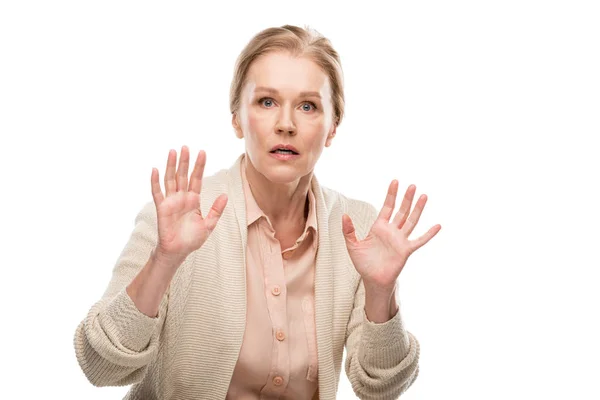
(282, 175)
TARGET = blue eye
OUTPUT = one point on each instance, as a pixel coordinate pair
(267, 102)
(309, 104)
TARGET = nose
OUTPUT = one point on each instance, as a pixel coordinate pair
(285, 123)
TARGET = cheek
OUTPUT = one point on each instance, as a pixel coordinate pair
(315, 130)
(257, 129)
(257, 120)
(253, 121)
(249, 122)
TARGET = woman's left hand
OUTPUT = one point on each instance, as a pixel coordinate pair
(381, 255)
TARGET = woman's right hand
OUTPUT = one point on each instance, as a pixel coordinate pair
(181, 226)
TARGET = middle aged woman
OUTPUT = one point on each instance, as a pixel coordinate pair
(257, 295)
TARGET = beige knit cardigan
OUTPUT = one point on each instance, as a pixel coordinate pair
(190, 349)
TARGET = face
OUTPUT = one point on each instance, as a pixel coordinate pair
(286, 101)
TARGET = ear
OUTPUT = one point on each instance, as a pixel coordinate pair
(236, 126)
(331, 135)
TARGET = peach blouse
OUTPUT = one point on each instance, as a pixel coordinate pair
(278, 358)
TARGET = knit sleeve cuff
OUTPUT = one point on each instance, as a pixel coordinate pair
(383, 345)
(126, 326)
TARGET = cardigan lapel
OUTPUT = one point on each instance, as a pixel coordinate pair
(236, 193)
(324, 298)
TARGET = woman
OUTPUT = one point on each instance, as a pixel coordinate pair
(256, 296)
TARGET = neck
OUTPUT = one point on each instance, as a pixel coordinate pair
(279, 201)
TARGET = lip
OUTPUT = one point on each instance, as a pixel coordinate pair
(284, 157)
(285, 147)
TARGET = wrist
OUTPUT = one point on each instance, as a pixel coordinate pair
(165, 260)
(380, 303)
(162, 266)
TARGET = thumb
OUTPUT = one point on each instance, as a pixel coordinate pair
(348, 230)
(215, 212)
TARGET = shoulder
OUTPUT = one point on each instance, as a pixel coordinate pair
(212, 187)
(352, 206)
(216, 182)
(362, 213)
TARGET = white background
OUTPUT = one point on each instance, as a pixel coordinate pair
(490, 108)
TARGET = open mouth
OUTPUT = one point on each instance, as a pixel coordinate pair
(282, 151)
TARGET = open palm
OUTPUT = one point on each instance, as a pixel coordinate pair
(381, 255)
(181, 226)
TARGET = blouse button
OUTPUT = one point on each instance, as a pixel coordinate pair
(287, 255)
(280, 335)
(277, 381)
(276, 290)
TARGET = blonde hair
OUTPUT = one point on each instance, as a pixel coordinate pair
(299, 42)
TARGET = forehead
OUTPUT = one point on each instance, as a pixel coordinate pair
(287, 73)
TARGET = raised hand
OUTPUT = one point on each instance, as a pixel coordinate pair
(381, 255)
(181, 226)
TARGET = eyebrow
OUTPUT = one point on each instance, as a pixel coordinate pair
(275, 91)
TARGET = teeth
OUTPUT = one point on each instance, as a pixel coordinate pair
(284, 151)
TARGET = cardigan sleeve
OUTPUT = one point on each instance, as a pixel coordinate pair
(382, 359)
(116, 342)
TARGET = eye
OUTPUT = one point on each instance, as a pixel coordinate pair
(266, 101)
(307, 106)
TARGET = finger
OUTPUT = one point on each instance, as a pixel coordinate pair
(402, 213)
(182, 170)
(414, 216)
(170, 184)
(417, 243)
(155, 186)
(196, 177)
(215, 212)
(348, 230)
(390, 202)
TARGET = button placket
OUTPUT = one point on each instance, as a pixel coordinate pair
(274, 280)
